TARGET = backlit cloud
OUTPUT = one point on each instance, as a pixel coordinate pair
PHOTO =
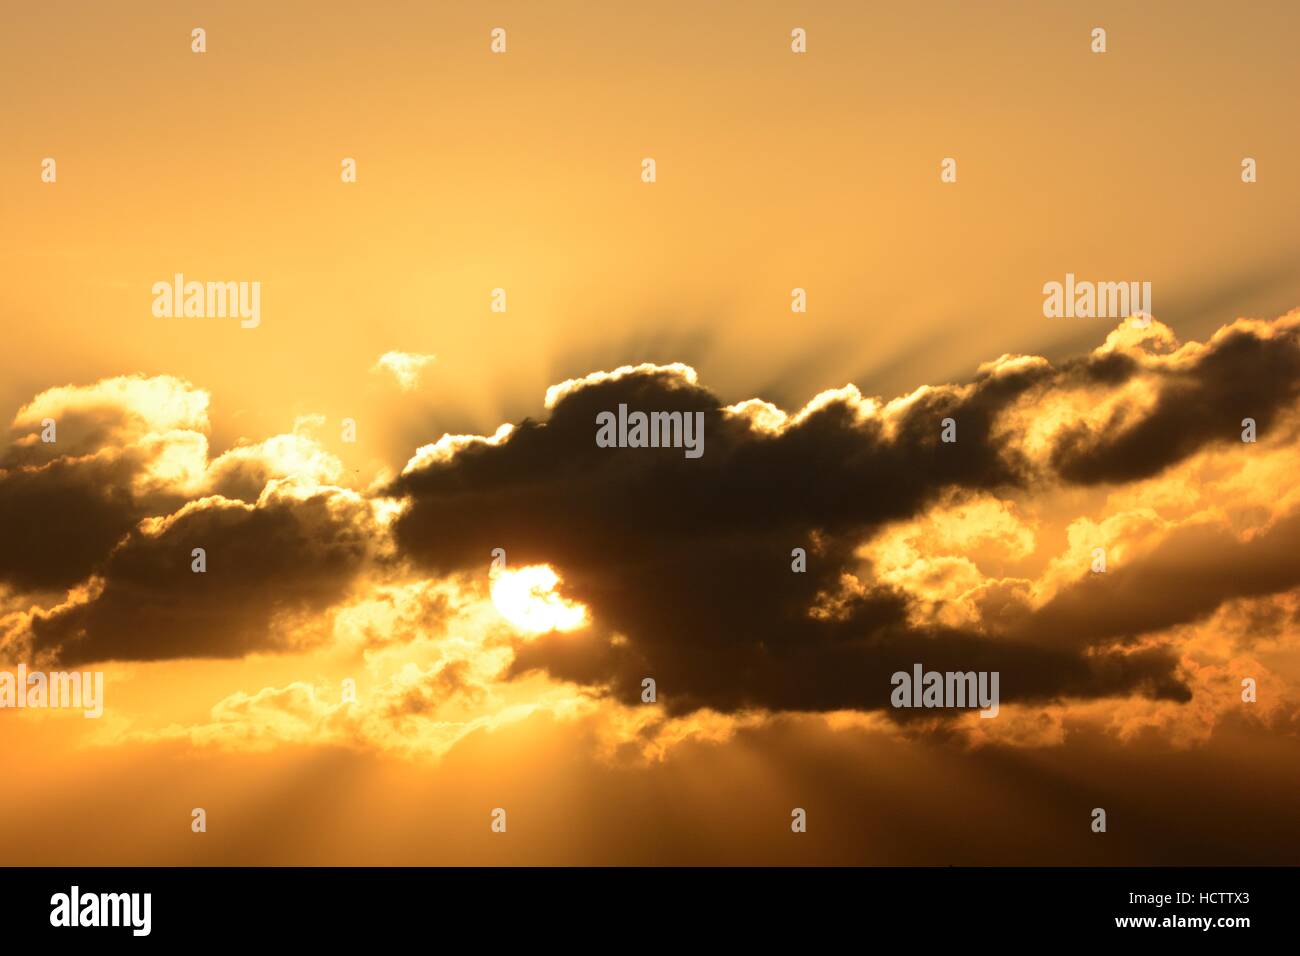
(623, 564)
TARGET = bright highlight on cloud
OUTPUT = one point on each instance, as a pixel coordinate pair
(405, 367)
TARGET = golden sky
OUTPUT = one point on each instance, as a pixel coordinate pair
(369, 560)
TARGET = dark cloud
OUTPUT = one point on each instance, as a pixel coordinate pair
(549, 486)
(267, 567)
(1194, 569)
(65, 504)
(90, 510)
(61, 520)
(689, 560)
(1242, 375)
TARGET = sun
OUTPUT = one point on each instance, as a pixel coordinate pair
(526, 598)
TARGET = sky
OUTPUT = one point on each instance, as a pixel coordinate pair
(356, 676)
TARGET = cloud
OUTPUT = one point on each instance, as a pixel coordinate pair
(405, 367)
(272, 568)
(105, 519)
(417, 712)
(1201, 394)
(685, 564)
(972, 555)
(124, 448)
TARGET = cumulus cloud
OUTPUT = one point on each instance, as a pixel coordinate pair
(685, 564)
(970, 555)
(107, 515)
(123, 448)
(271, 568)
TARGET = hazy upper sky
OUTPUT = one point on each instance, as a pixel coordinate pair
(523, 172)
